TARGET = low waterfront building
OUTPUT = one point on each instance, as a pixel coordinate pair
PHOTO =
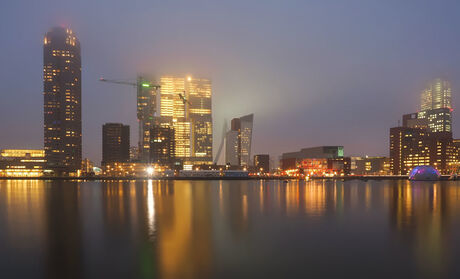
(370, 165)
(22, 162)
(325, 166)
(127, 169)
(291, 160)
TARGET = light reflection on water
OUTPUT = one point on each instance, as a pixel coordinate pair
(228, 229)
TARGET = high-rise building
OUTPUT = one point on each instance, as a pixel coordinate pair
(115, 143)
(436, 106)
(232, 143)
(239, 141)
(62, 101)
(436, 95)
(411, 147)
(185, 105)
(147, 109)
(412, 120)
(200, 115)
(162, 146)
(246, 122)
(438, 120)
(262, 162)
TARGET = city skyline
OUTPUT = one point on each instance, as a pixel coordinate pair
(281, 105)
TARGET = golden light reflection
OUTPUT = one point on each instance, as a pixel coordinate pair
(186, 223)
(150, 208)
(315, 199)
(25, 204)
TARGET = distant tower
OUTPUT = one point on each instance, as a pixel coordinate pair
(62, 100)
(436, 95)
(246, 139)
(115, 143)
(436, 106)
(239, 141)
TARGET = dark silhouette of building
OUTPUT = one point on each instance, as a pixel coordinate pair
(62, 101)
(262, 162)
(115, 143)
(162, 146)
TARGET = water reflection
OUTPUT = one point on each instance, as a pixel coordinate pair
(204, 229)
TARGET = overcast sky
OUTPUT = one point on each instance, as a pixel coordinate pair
(313, 72)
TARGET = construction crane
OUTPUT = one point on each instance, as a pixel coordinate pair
(146, 109)
(139, 83)
(145, 85)
(185, 101)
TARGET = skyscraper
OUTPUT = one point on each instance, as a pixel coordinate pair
(147, 110)
(115, 143)
(185, 105)
(411, 147)
(436, 95)
(62, 100)
(200, 115)
(436, 107)
(239, 141)
(232, 148)
(439, 120)
(246, 138)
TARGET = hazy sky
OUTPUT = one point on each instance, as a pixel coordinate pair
(313, 72)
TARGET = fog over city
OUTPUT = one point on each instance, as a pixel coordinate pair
(312, 72)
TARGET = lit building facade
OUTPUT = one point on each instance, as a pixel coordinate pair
(317, 161)
(436, 95)
(438, 120)
(62, 101)
(22, 162)
(436, 106)
(115, 143)
(411, 147)
(371, 166)
(186, 106)
(325, 166)
(291, 160)
(127, 169)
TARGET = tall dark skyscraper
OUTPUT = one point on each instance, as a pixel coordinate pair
(115, 143)
(62, 100)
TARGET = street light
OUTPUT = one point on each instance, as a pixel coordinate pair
(150, 171)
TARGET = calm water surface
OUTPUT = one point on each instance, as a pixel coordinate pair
(229, 229)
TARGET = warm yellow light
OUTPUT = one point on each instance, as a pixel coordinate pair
(189, 78)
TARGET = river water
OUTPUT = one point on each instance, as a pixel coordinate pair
(229, 229)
